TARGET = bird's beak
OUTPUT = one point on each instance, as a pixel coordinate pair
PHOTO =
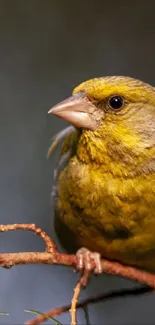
(77, 110)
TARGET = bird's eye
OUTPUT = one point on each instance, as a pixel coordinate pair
(116, 102)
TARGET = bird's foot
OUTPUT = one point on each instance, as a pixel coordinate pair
(88, 261)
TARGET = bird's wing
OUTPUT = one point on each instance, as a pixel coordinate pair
(66, 140)
(57, 139)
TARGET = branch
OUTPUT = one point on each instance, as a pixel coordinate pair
(50, 246)
(52, 256)
(91, 300)
(82, 283)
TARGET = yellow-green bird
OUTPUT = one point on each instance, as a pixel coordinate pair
(105, 191)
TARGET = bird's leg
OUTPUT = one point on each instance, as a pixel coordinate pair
(89, 261)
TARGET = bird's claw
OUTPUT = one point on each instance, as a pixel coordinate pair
(88, 261)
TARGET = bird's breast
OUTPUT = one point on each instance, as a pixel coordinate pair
(114, 216)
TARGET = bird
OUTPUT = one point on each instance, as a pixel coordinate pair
(105, 176)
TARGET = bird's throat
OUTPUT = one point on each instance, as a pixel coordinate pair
(113, 156)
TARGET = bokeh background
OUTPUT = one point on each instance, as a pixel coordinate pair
(46, 48)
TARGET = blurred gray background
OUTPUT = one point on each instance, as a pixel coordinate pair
(46, 48)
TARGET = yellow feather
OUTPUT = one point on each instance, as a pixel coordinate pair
(106, 191)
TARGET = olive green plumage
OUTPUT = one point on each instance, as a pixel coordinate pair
(106, 191)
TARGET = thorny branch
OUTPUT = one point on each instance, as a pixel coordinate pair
(52, 256)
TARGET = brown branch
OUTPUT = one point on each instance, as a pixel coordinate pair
(52, 256)
(50, 245)
(77, 291)
(10, 259)
(83, 282)
(91, 300)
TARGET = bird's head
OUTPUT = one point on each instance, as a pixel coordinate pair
(120, 111)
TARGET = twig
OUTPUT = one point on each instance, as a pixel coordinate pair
(74, 303)
(54, 257)
(10, 259)
(50, 245)
(91, 300)
(83, 282)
